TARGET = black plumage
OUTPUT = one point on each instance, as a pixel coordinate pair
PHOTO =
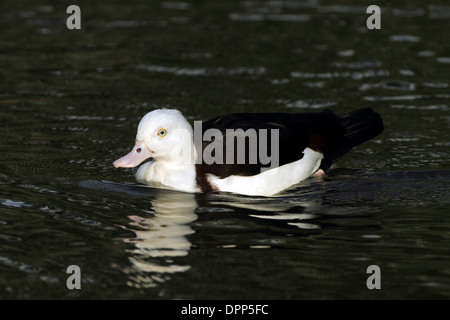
(325, 132)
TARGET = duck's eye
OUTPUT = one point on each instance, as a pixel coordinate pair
(162, 132)
(138, 150)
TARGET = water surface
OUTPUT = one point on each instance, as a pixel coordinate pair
(70, 102)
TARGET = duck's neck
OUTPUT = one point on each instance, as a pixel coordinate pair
(176, 171)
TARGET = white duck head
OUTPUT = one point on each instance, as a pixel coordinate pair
(164, 135)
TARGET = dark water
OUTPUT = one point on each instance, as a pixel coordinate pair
(70, 101)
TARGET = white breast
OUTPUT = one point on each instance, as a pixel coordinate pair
(180, 177)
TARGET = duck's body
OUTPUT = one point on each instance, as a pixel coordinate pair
(251, 154)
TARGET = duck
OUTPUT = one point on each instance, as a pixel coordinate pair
(253, 154)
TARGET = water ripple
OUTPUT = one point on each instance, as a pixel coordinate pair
(346, 53)
(393, 98)
(175, 5)
(15, 204)
(426, 53)
(304, 4)
(404, 38)
(253, 17)
(437, 85)
(343, 9)
(203, 71)
(308, 104)
(442, 107)
(443, 59)
(333, 75)
(408, 12)
(358, 64)
(438, 12)
(390, 85)
(19, 265)
(10, 238)
(127, 24)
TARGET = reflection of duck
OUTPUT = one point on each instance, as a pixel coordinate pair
(161, 238)
(160, 234)
(274, 210)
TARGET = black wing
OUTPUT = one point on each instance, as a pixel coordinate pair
(318, 131)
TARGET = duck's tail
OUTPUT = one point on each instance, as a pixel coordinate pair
(359, 126)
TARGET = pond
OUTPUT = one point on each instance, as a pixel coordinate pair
(70, 102)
